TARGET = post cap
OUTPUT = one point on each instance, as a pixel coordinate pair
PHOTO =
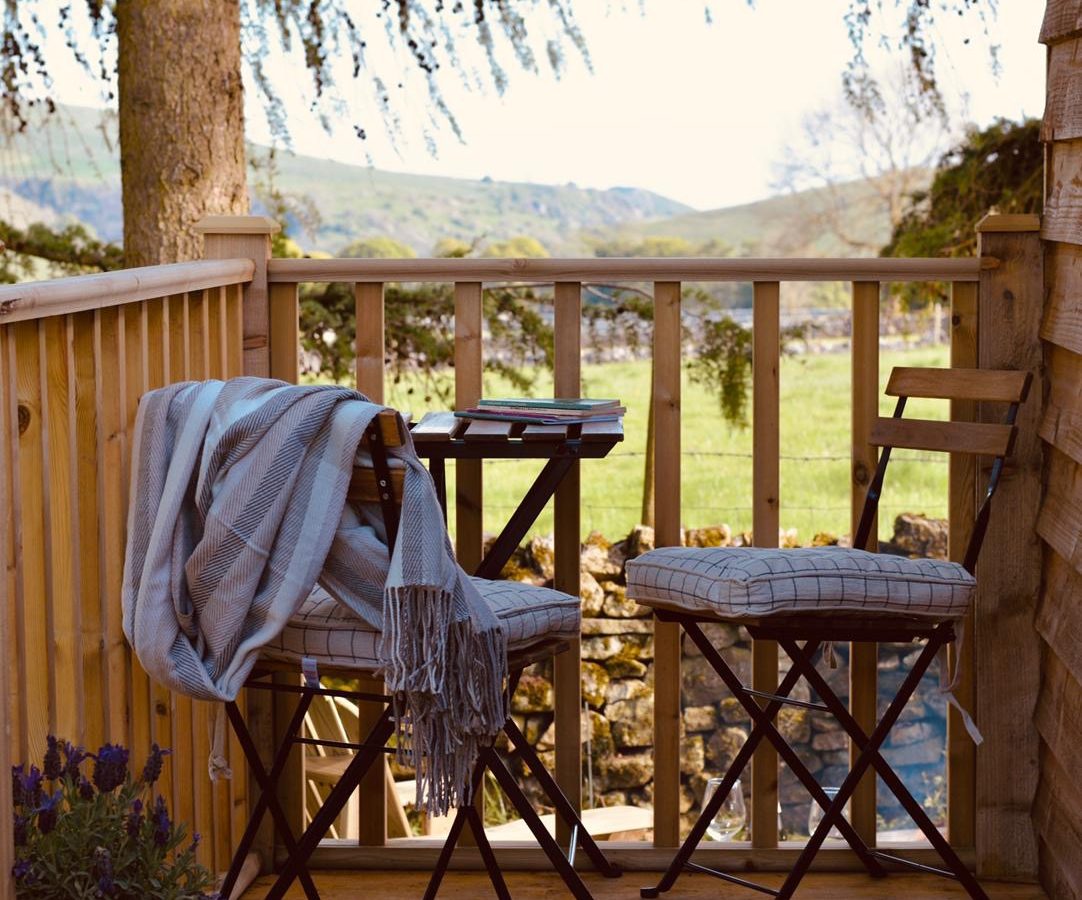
(237, 225)
(1004, 222)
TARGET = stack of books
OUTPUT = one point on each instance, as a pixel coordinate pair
(554, 411)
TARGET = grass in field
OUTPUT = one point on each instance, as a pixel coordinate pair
(717, 460)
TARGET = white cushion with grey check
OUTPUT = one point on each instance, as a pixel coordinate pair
(751, 583)
(330, 633)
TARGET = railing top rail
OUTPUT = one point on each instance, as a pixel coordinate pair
(61, 296)
(616, 270)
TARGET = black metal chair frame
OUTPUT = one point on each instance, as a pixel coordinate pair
(814, 631)
(371, 748)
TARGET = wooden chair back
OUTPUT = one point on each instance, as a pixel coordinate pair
(978, 438)
(379, 482)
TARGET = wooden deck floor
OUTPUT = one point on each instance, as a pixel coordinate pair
(372, 885)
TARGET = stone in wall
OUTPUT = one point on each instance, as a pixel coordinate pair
(595, 681)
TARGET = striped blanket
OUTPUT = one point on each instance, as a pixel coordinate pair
(238, 508)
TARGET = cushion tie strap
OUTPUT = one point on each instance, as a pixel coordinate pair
(949, 681)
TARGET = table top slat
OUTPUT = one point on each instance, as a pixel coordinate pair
(544, 432)
(435, 426)
(483, 430)
(603, 431)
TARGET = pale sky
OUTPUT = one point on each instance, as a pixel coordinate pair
(695, 112)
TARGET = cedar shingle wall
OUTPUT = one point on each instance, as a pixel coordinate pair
(1057, 809)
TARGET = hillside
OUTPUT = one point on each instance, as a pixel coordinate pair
(69, 168)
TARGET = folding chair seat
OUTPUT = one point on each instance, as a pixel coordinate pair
(326, 638)
(806, 599)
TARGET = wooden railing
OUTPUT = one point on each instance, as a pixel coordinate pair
(76, 354)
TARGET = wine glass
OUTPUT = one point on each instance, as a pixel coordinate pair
(815, 815)
(731, 816)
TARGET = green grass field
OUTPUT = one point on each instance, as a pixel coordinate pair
(716, 460)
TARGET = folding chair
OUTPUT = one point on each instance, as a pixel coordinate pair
(807, 598)
(539, 623)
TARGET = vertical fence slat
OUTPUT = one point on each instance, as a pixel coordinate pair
(962, 478)
(667, 345)
(567, 538)
(13, 670)
(83, 405)
(368, 307)
(285, 338)
(766, 489)
(468, 490)
(8, 726)
(863, 657)
(110, 511)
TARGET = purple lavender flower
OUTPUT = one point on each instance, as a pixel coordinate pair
(110, 768)
(48, 812)
(162, 824)
(23, 871)
(86, 789)
(196, 839)
(135, 818)
(73, 758)
(153, 769)
(103, 868)
(51, 767)
(30, 787)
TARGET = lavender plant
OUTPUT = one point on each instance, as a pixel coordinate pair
(109, 835)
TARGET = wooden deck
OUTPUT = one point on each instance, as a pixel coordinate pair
(544, 886)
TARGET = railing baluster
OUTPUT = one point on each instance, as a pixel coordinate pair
(863, 658)
(368, 304)
(962, 478)
(766, 488)
(468, 493)
(285, 337)
(667, 346)
(568, 534)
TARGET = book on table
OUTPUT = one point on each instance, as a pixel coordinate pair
(545, 411)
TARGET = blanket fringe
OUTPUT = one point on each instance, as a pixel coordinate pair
(450, 695)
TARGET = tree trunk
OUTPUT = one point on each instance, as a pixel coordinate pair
(181, 123)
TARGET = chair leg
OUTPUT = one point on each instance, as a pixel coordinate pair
(559, 800)
(477, 826)
(957, 868)
(451, 841)
(552, 850)
(268, 798)
(332, 806)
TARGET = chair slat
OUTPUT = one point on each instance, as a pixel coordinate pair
(363, 487)
(388, 425)
(950, 437)
(959, 384)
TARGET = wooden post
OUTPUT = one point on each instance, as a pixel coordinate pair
(766, 490)
(7, 602)
(667, 515)
(246, 237)
(567, 541)
(863, 657)
(1006, 646)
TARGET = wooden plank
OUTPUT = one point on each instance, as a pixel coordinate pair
(567, 678)
(469, 496)
(111, 512)
(1057, 814)
(435, 427)
(1006, 647)
(234, 316)
(84, 412)
(962, 492)
(1058, 715)
(1063, 319)
(1062, 19)
(543, 432)
(603, 431)
(251, 240)
(216, 333)
(63, 591)
(1059, 617)
(1062, 118)
(1061, 424)
(1060, 520)
(863, 657)
(285, 335)
(84, 293)
(371, 343)
(982, 438)
(765, 503)
(483, 430)
(1062, 217)
(958, 383)
(10, 737)
(666, 390)
(666, 270)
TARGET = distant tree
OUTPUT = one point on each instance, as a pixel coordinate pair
(380, 247)
(70, 250)
(516, 247)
